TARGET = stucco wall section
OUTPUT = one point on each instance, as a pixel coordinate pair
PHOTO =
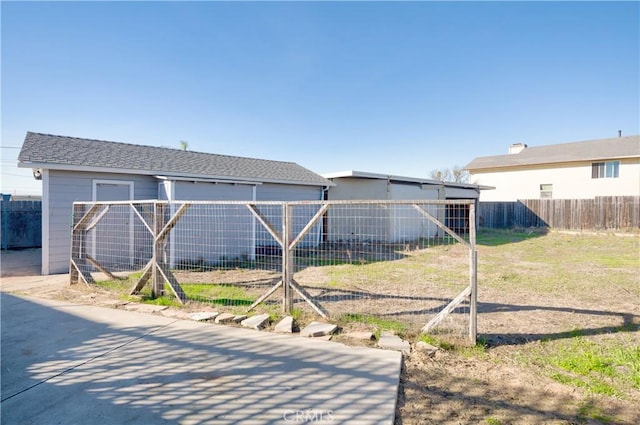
(570, 181)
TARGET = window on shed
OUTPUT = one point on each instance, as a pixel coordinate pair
(546, 191)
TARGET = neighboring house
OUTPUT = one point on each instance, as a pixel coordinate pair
(359, 185)
(578, 170)
(76, 169)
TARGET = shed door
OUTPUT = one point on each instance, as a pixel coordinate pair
(113, 242)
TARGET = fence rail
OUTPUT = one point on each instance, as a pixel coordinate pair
(411, 262)
(601, 213)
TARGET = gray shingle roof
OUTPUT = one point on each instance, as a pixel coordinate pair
(60, 152)
(591, 150)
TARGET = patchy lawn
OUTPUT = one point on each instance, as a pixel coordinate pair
(559, 327)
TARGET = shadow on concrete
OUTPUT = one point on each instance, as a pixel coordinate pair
(64, 363)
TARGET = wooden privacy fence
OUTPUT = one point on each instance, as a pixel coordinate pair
(21, 223)
(412, 261)
(601, 213)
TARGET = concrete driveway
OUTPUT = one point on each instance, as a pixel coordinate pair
(22, 262)
(66, 363)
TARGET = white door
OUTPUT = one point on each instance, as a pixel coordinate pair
(113, 241)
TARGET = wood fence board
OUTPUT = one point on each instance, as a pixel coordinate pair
(601, 213)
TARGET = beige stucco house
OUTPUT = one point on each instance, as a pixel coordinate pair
(578, 170)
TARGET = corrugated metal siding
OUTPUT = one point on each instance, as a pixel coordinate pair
(65, 187)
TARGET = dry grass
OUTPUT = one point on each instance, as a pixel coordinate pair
(559, 317)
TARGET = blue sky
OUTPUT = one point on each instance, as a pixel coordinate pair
(386, 87)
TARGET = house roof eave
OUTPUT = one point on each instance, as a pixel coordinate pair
(537, 164)
(391, 177)
(627, 147)
(157, 173)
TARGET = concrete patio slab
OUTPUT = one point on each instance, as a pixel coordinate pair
(70, 363)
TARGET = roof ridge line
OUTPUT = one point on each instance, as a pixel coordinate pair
(159, 147)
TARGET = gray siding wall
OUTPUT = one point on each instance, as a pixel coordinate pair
(210, 233)
(66, 187)
(348, 188)
(395, 224)
(398, 191)
(408, 224)
(302, 214)
(203, 191)
(164, 188)
(369, 222)
(213, 233)
(461, 193)
(285, 192)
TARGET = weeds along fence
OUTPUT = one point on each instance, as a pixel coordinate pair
(407, 265)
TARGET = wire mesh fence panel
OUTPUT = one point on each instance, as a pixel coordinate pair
(385, 264)
(110, 238)
(221, 254)
(399, 265)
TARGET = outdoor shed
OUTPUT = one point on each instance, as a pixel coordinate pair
(76, 169)
(364, 185)
(359, 185)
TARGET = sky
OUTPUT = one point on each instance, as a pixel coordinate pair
(398, 88)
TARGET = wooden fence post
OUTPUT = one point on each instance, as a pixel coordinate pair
(157, 285)
(473, 276)
(287, 259)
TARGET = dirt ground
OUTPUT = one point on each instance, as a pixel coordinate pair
(492, 386)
